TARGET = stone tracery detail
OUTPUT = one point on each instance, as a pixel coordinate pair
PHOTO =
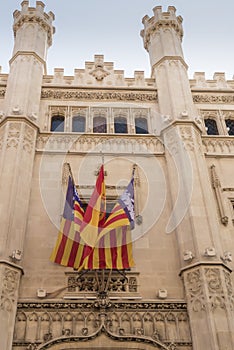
(10, 283)
(209, 288)
(39, 323)
(13, 136)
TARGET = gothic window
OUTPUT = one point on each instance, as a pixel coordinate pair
(99, 125)
(211, 127)
(57, 123)
(141, 125)
(230, 126)
(78, 124)
(120, 124)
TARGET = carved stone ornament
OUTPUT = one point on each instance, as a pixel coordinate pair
(207, 98)
(209, 288)
(9, 290)
(77, 94)
(218, 195)
(2, 93)
(99, 73)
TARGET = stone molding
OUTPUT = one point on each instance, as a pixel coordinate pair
(79, 94)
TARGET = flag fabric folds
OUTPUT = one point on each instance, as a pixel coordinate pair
(113, 248)
(69, 247)
(90, 240)
(94, 218)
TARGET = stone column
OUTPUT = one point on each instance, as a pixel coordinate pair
(194, 218)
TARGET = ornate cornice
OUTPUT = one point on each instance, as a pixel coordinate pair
(79, 94)
(155, 27)
(37, 20)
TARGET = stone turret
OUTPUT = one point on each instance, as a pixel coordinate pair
(33, 35)
(33, 32)
(162, 36)
(194, 219)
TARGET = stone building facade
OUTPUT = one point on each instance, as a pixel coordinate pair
(179, 133)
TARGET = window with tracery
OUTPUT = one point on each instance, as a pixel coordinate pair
(230, 126)
(120, 125)
(211, 127)
(57, 123)
(78, 124)
(141, 125)
(99, 125)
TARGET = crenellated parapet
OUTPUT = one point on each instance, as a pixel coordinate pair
(36, 15)
(161, 21)
(98, 73)
(219, 82)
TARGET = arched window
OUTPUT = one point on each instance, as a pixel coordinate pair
(78, 124)
(211, 127)
(99, 124)
(141, 125)
(57, 123)
(121, 126)
(230, 126)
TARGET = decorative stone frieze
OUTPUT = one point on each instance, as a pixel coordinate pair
(78, 94)
(213, 98)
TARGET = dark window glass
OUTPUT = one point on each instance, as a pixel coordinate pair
(99, 124)
(141, 126)
(121, 125)
(211, 127)
(230, 126)
(78, 124)
(57, 123)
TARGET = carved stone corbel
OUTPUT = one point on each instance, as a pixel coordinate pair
(217, 189)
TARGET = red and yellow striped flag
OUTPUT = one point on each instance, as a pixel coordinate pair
(69, 247)
(113, 246)
(113, 251)
(94, 217)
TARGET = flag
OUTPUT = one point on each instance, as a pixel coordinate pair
(123, 213)
(113, 248)
(94, 217)
(69, 247)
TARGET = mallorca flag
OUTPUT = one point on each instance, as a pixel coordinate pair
(113, 249)
(69, 247)
(94, 218)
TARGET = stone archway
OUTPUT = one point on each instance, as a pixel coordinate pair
(103, 340)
